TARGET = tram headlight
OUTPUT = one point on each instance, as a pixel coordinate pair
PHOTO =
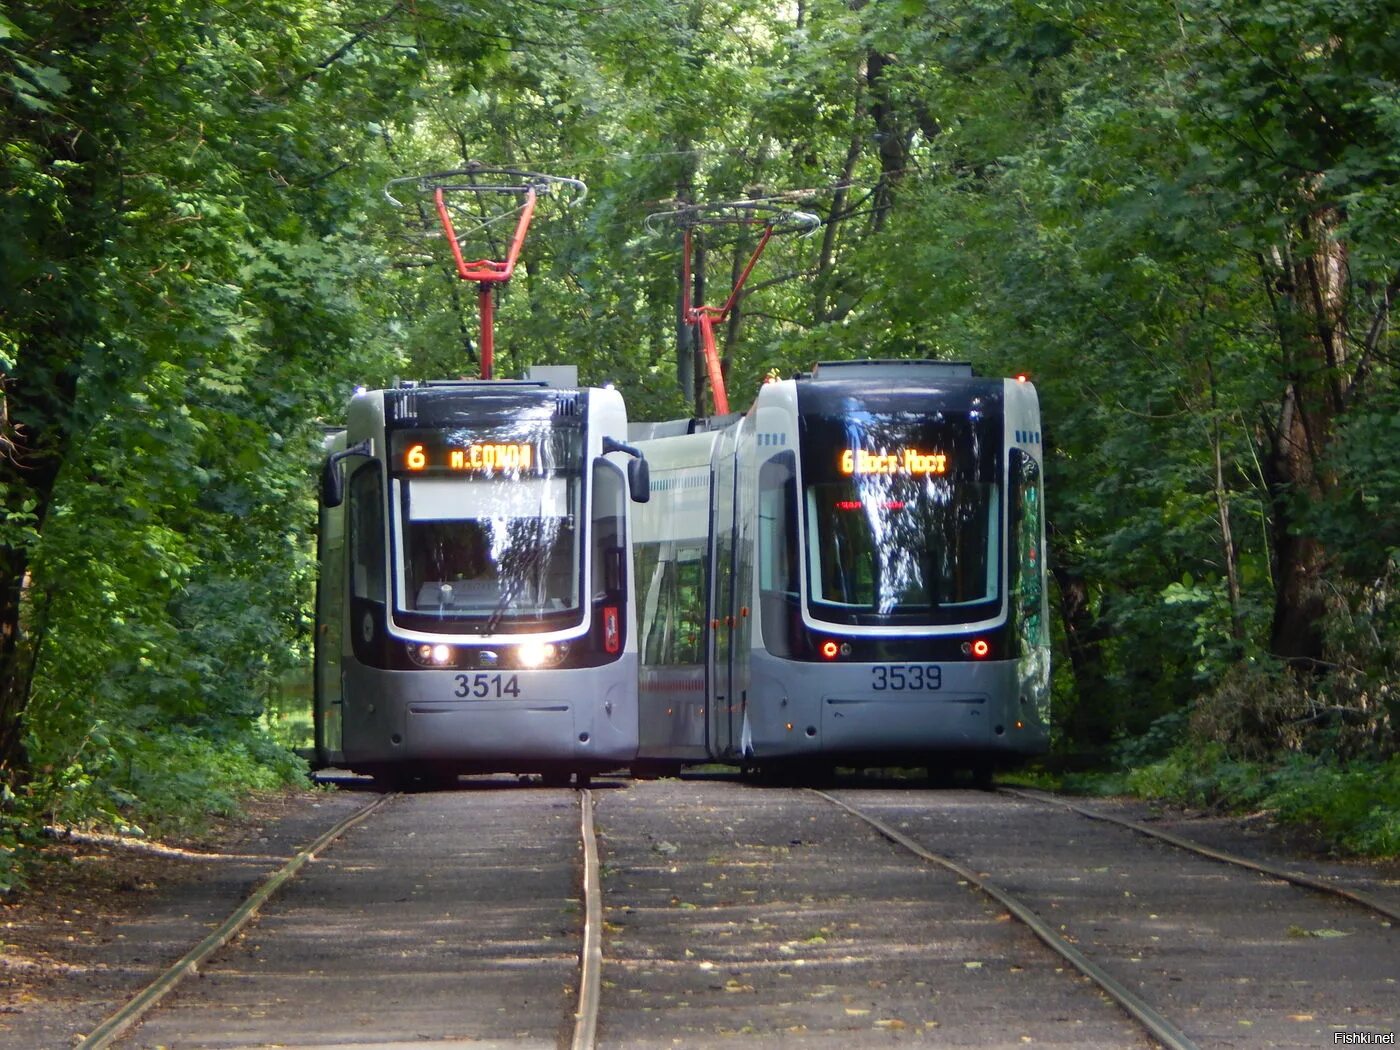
(541, 654)
(432, 654)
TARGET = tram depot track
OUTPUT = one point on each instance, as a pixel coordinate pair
(591, 962)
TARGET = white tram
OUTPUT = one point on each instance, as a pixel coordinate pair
(850, 573)
(474, 610)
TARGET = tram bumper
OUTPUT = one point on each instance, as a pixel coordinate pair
(833, 711)
(582, 718)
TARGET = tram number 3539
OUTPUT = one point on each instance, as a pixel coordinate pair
(905, 676)
(484, 686)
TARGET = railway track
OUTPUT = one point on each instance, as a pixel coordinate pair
(1124, 982)
(740, 916)
(709, 911)
(1158, 1026)
(1368, 901)
(365, 948)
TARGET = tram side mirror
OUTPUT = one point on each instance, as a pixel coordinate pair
(332, 487)
(332, 484)
(638, 473)
(639, 480)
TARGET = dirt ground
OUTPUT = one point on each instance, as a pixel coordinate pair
(101, 914)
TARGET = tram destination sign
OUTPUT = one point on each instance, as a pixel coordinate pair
(911, 461)
(442, 454)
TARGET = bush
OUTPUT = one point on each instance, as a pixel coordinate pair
(163, 781)
(1355, 806)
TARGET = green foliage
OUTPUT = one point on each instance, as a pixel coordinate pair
(1127, 201)
(1354, 806)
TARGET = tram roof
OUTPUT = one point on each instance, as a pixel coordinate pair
(888, 370)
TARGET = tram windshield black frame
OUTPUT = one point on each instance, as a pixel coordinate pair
(490, 547)
(903, 511)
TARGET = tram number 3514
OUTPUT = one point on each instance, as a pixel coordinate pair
(905, 676)
(484, 686)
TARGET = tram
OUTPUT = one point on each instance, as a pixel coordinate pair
(474, 611)
(851, 573)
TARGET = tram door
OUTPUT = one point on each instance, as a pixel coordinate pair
(723, 701)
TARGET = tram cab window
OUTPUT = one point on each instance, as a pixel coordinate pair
(609, 530)
(777, 525)
(504, 548)
(778, 554)
(366, 526)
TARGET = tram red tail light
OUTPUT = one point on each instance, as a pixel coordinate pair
(830, 650)
(978, 648)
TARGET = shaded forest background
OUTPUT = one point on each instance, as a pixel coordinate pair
(1181, 218)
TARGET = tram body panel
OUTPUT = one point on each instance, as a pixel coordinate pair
(848, 711)
(585, 718)
(329, 636)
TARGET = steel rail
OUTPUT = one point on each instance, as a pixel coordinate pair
(1297, 878)
(144, 1001)
(591, 958)
(1138, 1009)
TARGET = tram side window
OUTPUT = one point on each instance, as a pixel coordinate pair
(674, 604)
(1028, 565)
(367, 534)
(609, 530)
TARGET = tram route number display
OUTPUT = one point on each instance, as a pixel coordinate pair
(486, 686)
(897, 677)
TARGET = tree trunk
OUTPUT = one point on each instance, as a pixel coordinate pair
(1095, 717)
(1308, 294)
(48, 308)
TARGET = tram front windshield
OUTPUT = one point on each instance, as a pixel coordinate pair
(903, 515)
(489, 526)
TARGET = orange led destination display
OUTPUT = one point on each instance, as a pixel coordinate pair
(905, 461)
(485, 458)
